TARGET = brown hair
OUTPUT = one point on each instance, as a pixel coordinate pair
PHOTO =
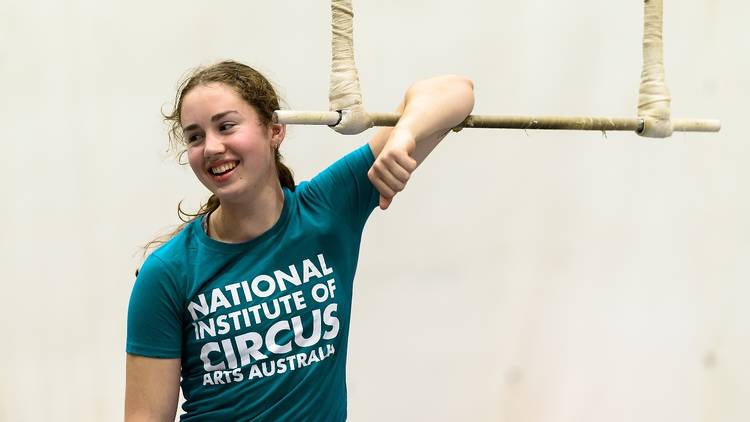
(252, 87)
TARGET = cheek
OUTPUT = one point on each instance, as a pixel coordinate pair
(195, 159)
(257, 151)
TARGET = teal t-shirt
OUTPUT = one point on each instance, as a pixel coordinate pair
(261, 327)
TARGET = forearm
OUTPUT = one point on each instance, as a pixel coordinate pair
(436, 105)
(430, 109)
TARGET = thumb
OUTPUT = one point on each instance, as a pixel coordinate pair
(385, 202)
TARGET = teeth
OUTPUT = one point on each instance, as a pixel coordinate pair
(222, 168)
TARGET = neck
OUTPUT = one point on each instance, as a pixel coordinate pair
(237, 222)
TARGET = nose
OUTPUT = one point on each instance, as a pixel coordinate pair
(213, 145)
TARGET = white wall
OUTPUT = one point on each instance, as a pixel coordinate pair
(521, 277)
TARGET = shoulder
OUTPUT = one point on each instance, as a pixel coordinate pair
(171, 257)
(161, 282)
(352, 167)
(342, 190)
(176, 248)
(356, 161)
(363, 156)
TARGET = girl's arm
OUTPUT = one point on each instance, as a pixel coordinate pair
(429, 110)
(152, 388)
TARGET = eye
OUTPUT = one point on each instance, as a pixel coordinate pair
(226, 126)
(191, 139)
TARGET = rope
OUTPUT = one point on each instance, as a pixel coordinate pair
(344, 92)
(653, 97)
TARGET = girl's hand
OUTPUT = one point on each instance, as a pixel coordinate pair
(394, 165)
(429, 110)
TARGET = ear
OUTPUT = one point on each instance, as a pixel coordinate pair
(278, 132)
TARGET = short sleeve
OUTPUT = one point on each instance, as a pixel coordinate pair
(344, 187)
(155, 312)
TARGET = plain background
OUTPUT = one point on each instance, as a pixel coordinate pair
(522, 276)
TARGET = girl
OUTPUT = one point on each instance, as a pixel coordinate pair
(247, 307)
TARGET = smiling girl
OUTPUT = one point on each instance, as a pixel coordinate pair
(247, 307)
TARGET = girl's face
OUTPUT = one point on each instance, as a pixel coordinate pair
(228, 148)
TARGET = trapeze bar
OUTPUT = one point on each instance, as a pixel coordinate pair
(290, 117)
(696, 125)
(332, 118)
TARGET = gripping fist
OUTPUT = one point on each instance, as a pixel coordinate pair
(393, 167)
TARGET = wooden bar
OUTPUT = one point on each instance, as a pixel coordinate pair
(331, 118)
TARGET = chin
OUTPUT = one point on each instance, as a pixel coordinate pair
(236, 192)
(228, 195)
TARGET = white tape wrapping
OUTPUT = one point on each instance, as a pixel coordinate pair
(344, 93)
(653, 98)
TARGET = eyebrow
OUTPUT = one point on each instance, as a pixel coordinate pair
(213, 119)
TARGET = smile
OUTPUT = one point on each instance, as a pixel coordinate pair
(223, 168)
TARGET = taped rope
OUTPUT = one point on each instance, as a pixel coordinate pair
(344, 94)
(653, 97)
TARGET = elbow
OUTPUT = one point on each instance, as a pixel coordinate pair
(468, 86)
(462, 89)
(441, 84)
(459, 82)
(464, 83)
(455, 89)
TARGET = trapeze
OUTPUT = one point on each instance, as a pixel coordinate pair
(348, 115)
